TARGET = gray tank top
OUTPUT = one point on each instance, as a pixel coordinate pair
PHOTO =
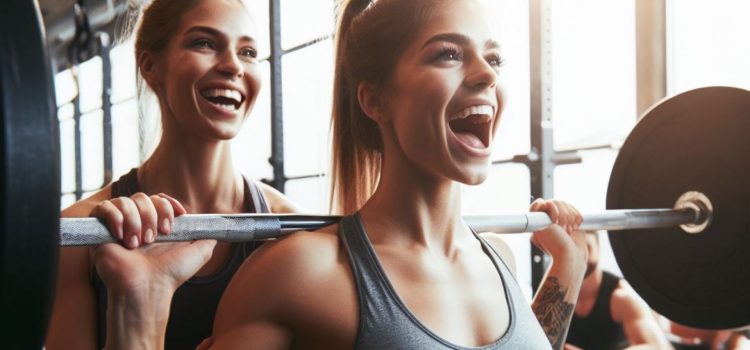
(386, 323)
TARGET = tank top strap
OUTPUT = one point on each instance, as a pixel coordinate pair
(524, 330)
(513, 289)
(602, 304)
(255, 202)
(126, 185)
(376, 305)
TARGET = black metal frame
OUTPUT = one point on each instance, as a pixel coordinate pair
(85, 46)
(277, 116)
(277, 102)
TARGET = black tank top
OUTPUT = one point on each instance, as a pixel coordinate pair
(598, 330)
(386, 323)
(194, 304)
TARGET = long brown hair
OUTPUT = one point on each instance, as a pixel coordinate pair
(370, 38)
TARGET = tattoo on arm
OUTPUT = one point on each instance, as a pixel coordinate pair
(553, 312)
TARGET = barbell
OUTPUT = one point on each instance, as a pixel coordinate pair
(250, 227)
(689, 155)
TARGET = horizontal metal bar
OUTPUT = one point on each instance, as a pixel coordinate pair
(612, 220)
(248, 227)
(307, 44)
(228, 228)
(305, 177)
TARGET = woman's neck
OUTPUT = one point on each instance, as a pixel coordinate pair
(412, 207)
(199, 173)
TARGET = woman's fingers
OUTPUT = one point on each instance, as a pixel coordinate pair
(131, 224)
(546, 206)
(112, 216)
(565, 216)
(560, 212)
(165, 214)
(138, 219)
(572, 216)
(178, 208)
(148, 214)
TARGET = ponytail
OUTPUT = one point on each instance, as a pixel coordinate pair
(371, 36)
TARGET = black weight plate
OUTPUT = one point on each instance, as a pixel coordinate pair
(30, 178)
(696, 141)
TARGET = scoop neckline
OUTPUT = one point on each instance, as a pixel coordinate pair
(405, 310)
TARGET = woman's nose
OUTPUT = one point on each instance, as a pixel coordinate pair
(481, 74)
(230, 64)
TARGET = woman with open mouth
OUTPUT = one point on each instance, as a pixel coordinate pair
(417, 98)
(199, 58)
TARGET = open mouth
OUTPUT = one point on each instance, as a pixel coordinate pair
(224, 98)
(473, 125)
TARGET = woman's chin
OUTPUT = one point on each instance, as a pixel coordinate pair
(474, 175)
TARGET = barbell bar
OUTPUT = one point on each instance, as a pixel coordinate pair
(249, 227)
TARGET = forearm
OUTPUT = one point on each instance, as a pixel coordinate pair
(137, 320)
(555, 301)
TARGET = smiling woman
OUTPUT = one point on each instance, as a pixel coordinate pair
(418, 97)
(199, 58)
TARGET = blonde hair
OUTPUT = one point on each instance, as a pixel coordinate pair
(370, 38)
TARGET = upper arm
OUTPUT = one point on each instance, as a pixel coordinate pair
(640, 326)
(73, 321)
(277, 201)
(502, 248)
(252, 303)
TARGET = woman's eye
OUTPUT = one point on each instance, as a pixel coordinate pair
(202, 44)
(450, 54)
(249, 53)
(495, 61)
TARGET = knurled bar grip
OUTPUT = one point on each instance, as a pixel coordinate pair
(248, 227)
(228, 228)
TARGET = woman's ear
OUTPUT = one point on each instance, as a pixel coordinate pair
(147, 67)
(371, 102)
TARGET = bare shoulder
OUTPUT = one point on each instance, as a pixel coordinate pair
(277, 201)
(83, 207)
(285, 280)
(298, 256)
(297, 289)
(502, 248)
(626, 303)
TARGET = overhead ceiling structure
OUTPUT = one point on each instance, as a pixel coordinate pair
(59, 18)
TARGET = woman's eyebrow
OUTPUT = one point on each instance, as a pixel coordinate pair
(456, 38)
(215, 32)
(460, 39)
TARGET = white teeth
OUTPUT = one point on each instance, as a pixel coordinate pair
(229, 107)
(486, 113)
(226, 93)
